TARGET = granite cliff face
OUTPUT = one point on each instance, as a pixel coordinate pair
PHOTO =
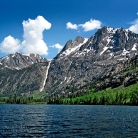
(80, 62)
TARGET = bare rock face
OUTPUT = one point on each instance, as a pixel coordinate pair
(80, 62)
(22, 74)
(24, 81)
(84, 60)
(19, 61)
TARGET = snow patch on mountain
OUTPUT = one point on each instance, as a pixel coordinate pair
(87, 50)
(65, 78)
(126, 36)
(26, 55)
(104, 49)
(125, 52)
(69, 79)
(109, 38)
(71, 50)
(6, 57)
(134, 47)
(111, 30)
(13, 55)
(17, 68)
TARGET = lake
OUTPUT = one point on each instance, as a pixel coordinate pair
(68, 121)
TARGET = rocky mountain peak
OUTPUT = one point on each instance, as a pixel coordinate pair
(72, 47)
(19, 61)
(106, 43)
(78, 40)
(83, 60)
(80, 62)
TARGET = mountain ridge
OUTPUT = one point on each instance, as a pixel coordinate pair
(106, 48)
(18, 61)
(80, 62)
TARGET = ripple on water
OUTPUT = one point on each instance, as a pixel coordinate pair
(68, 121)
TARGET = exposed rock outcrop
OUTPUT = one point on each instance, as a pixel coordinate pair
(84, 60)
(107, 55)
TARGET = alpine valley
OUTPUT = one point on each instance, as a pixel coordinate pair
(106, 59)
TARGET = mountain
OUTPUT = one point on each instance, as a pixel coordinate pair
(84, 60)
(18, 61)
(22, 74)
(80, 62)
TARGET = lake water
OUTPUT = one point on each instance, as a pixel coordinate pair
(68, 121)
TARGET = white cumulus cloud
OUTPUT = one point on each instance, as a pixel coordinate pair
(91, 25)
(87, 26)
(33, 36)
(58, 46)
(10, 45)
(134, 26)
(71, 26)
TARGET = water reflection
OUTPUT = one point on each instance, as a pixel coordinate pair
(68, 121)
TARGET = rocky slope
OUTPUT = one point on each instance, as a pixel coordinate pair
(19, 61)
(24, 81)
(80, 62)
(22, 74)
(123, 73)
(84, 60)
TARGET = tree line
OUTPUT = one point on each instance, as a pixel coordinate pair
(21, 100)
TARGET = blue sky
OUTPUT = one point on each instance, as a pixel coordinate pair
(53, 23)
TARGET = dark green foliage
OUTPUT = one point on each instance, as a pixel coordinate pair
(110, 96)
(22, 100)
(134, 98)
